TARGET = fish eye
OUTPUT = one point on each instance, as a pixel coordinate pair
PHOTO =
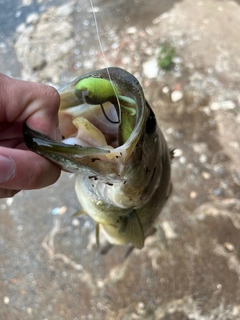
(151, 122)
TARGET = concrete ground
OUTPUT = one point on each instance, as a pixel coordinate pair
(50, 267)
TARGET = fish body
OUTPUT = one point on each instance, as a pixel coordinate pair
(123, 165)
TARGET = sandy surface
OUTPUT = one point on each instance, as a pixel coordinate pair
(190, 269)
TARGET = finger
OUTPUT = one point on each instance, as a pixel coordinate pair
(25, 170)
(27, 101)
(7, 193)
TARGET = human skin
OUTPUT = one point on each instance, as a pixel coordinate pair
(37, 105)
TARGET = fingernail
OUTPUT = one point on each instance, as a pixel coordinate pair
(7, 168)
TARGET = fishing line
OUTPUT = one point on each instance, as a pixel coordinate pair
(105, 60)
(106, 116)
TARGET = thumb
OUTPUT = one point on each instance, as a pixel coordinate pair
(25, 170)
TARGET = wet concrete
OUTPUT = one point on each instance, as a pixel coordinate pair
(50, 267)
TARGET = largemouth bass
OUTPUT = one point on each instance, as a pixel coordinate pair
(113, 142)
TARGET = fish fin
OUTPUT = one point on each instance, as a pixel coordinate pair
(97, 234)
(78, 213)
(133, 230)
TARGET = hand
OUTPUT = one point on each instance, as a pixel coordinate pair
(37, 105)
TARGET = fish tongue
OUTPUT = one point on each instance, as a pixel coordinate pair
(87, 134)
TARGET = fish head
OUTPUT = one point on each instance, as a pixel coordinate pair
(101, 127)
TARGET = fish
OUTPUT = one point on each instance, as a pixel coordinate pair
(114, 144)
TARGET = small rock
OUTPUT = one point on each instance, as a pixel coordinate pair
(94, 9)
(224, 105)
(170, 130)
(21, 28)
(126, 60)
(176, 95)
(32, 18)
(148, 51)
(206, 110)
(150, 68)
(178, 153)
(234, 144)
(217, 192)
(27, 2)
(115, 45)
(236, 311)
(229, 246)
(75, 222)
(177, 60)
(65, 10)
(141, 308)
(60, 210)
(165, 90)
(203, 158)
(168, 230)
(3, 45)
(219, 286)
(228, 105)
(215, 106)
(193, 194)
(131, 30)
(29, 311)
(182, 160)
(206, 175)
(200, 147)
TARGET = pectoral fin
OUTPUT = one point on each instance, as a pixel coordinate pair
(78, 213)
(97, 234)
(132, 230)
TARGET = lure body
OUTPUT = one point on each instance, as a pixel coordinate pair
(124, 168)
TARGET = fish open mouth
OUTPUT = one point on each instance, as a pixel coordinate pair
(94, 121)
(90, 125)
(89, 132)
